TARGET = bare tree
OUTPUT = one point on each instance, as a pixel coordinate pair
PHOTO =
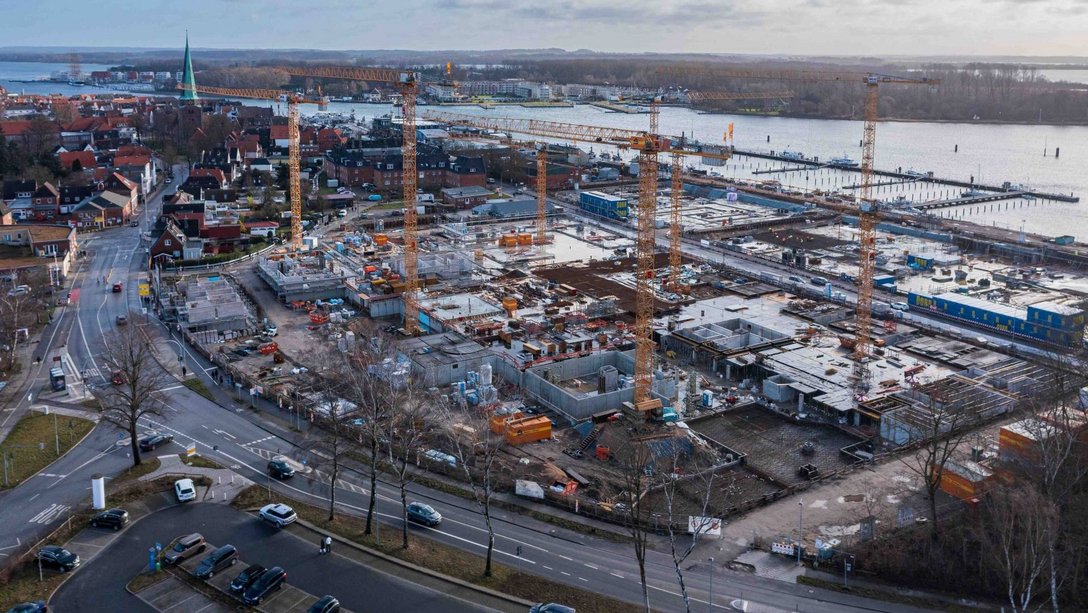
(1059, 462)
(404, 435)
(938, 428)
(1016, 534)
(636, 465)
(332, 442)
(137, 379)
(476, 447)
(375, 396)
(21, 300)
(699, 480)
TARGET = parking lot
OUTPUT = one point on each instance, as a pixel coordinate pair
(358, 587)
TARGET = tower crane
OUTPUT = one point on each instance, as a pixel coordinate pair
(293, 153)
(407, 84)
(649, 147)
(867, 209)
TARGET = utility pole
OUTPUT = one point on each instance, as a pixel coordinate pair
(711, 599)
(56, 433)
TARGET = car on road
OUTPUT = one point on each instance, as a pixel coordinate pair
(223, 557)
(424, 514)
(900, 306)
(326, 604)
(280, 469)
(246, 578)
(342, 213)
(490, 181)
(110, 518)
(184, 548)
(30, 607)
(134, 224)
(118, 378)
(117, 287)
(184, 490)
(19, 290)
(278, 514)
(122, 320)
(819, 280)
(152, 442)
(269, 580)
(169, 180)
(374, 197)
(551, 607)
(58, 558)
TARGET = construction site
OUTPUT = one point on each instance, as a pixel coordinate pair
(765, 339)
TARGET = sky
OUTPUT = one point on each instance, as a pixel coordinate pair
(794, 27)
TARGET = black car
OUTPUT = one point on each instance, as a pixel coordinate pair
(150, 443)
(59, 558)
(269, 580)
(112, 518)
(246, 578)
(327, 604)
(30, 607)
(280, 469)
(221, 558)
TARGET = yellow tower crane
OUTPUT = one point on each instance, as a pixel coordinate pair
(649, 147)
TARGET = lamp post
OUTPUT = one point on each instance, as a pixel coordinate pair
(800, 521)
(711, 599)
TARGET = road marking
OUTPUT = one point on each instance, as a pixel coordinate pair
(564, 573)
(583, 579)
(226, 434)
(546, 567)
(205, 427)
(52, 475)
(171, 388)
(616, 575)
(566, 558)
(48, 514)
(588, 565)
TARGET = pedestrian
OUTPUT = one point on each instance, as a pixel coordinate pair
(328, 544)
(321, 545)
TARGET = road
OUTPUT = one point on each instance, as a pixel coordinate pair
(244, 440)
(103, 579)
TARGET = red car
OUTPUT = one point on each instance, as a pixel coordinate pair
(117, 287)
(118, 378)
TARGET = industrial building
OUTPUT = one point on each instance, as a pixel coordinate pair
(604, 205)
(1052, 322)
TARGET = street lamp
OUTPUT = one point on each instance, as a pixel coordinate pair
(711, 603)
(800, 520)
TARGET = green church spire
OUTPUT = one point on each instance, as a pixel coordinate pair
(188, 79)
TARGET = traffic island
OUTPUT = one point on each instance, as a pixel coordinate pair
(36, 441)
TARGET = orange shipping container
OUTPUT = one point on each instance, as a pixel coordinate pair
(528, 429)
(525, 239)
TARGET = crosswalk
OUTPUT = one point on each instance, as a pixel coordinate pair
(49, 514)
(314, 474)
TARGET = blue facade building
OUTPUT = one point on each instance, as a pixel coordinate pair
(605, 205)
(1051, 322)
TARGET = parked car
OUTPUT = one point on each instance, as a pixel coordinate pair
(30, 607)
(152, 442)
(278, 514)
(184, 490)
(280, 469)
(269, 580)
(424, 514)
(490, 181)
(271, 330)
(900, 306)
(169, 180)
(326, 604)
(374, 197)
(19, 290)
(111, 518)
(184, 548)
(551, 607)
(246, 578)
(58, 558)
(342, 213)
(122, 320)
(117, 287)
(134, 224)
(223, 557)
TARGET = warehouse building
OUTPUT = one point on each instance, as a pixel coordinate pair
(605, 205)
(1051, 322)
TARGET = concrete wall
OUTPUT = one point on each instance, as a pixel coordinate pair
(577, 406)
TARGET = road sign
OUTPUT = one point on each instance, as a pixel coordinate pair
(191, 450)
(145, 289)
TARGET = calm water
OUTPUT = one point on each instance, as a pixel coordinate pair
(991, 153)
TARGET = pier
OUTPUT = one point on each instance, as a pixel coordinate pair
(941, 204)
(778, 170)
(903, 177)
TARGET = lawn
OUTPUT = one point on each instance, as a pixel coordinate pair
(198, 386)
(199, 461)
(447, 560)
(32, 444)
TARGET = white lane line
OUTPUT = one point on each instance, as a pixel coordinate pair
(616, 575)
(588, 565)
(566, 558)
(546, 567)
(34, 496)
(583, 579)
(564, 573)
(171, 388)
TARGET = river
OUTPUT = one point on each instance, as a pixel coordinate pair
(991, 153)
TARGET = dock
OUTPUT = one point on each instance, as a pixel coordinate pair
(882, 183)
(814, 164)
(780, 170)
(942, 204)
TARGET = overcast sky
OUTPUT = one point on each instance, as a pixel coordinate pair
(840, 27)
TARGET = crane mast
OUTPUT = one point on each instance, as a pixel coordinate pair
(410, 177)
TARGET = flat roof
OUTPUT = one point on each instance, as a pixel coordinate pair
(986, 305)
(458, 306)
(1053, 306)
(604, 196)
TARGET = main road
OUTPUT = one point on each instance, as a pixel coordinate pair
(244, 440)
